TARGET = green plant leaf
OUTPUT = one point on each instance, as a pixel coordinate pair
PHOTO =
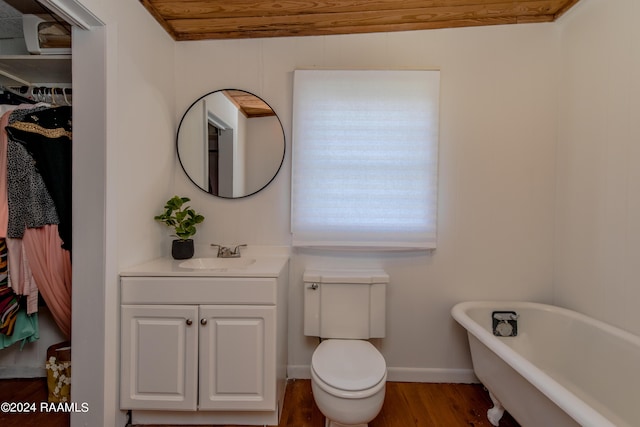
(182, 218)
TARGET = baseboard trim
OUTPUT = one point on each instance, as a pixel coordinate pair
(409, 375)
(298, 372)
(431, 375)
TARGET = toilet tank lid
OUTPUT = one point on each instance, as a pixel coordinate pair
(346, 276)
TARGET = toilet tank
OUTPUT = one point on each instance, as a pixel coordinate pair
(347, 304)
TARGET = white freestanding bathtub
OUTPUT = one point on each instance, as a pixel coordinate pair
(562, 368)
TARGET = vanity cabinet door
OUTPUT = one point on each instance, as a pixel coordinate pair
(237, 357)
(159, 357)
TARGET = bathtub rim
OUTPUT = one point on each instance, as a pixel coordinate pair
(575, 407)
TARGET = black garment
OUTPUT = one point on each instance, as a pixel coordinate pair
(46, 135)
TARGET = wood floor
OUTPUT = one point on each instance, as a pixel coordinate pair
(406, 405)
(28, 391)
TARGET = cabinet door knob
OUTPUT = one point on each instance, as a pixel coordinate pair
(203, 321)
(189, 322)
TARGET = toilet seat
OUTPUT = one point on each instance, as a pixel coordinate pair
(352, 368)
(342, 394)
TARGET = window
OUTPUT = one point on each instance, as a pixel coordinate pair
(365, 150)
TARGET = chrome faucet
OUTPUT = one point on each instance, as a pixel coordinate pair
(225, 252)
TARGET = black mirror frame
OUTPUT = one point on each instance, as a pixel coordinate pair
(284, 145)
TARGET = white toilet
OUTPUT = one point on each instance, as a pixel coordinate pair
(348, 374)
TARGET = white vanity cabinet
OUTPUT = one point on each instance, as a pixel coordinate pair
(238, 358)
(203, 349)
(159, 357)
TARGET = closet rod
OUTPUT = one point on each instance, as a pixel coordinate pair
(33, 94)
(14, 78)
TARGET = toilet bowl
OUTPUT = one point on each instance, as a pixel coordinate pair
(348, 374)
(348, 380)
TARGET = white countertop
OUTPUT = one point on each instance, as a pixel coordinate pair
(268, 263)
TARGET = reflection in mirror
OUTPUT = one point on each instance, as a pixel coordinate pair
(230, 143)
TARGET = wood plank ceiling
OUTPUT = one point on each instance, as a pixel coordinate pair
(249, 104)
(233, 19)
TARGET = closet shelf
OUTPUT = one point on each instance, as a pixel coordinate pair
(35, 70)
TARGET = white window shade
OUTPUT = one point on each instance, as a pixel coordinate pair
(365, 150)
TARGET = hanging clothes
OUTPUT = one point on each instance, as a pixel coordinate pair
(46, 137)
(51, 267)
(9, 303)
(26, 330)
(9, 306)
(20, 278)
(38, 187)
(30, 204)
(4, 202)
(15, 324)
(40, 149)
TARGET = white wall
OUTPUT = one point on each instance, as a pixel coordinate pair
(497, 176)
(598, 202)
(498, 169)
(124, 163)
(263, 154)
(196, 155)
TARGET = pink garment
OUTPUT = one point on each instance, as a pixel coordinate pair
(20, 277)
(51, 268)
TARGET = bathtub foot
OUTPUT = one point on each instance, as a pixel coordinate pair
(495, 414)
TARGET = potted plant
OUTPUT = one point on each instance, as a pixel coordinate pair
(183, 219)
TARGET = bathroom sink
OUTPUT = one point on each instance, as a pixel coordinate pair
(217, 263)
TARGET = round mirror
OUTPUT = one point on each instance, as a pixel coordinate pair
(230, 143)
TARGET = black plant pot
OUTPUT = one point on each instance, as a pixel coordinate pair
(182, 249)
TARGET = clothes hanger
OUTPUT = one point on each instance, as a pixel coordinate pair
(64, 95)
(9, 97)
(53, 97)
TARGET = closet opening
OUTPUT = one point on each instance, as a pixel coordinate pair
(36, 186)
